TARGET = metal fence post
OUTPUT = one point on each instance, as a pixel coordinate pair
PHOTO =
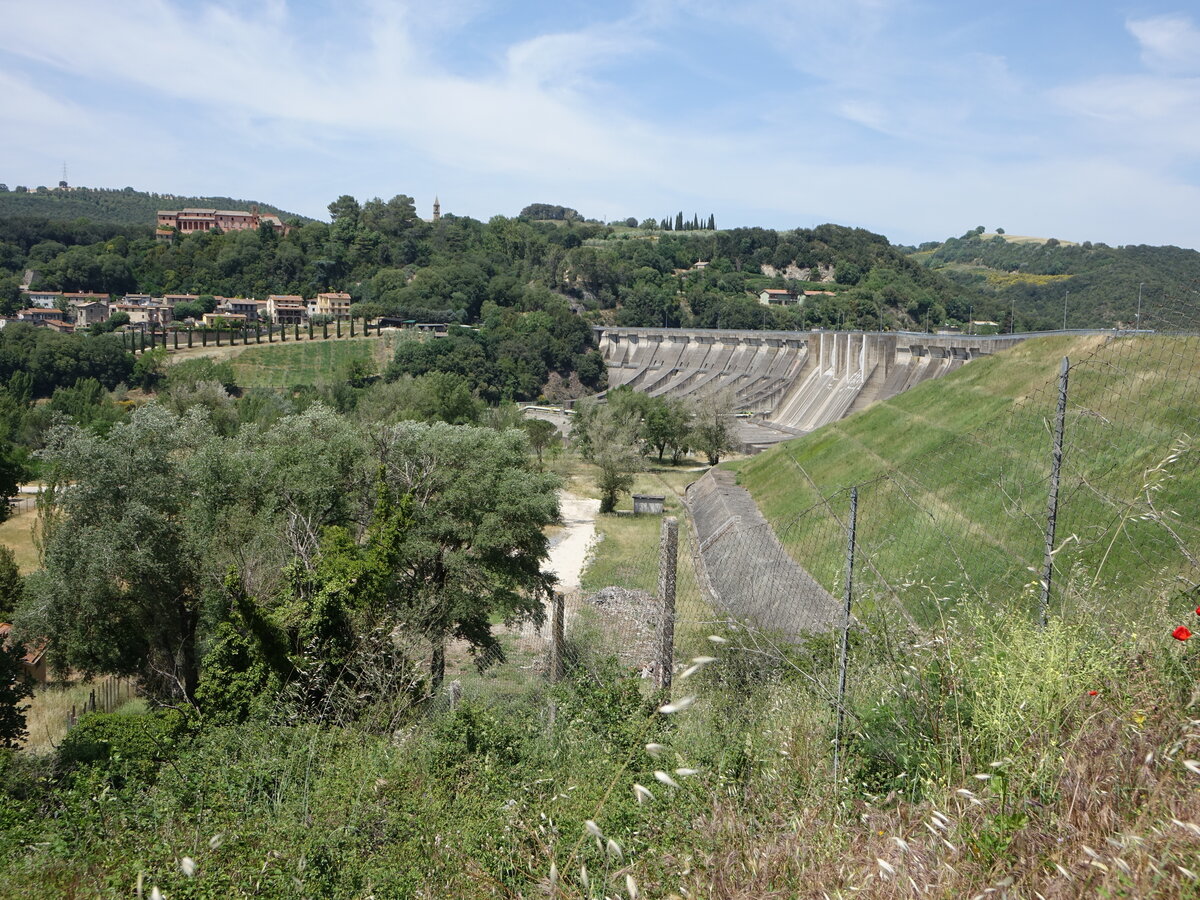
(845, 648)
(1055, 479)
(667, 562)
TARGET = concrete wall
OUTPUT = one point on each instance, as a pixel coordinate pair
(790, 381)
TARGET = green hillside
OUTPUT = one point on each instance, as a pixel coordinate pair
(1098, 285)
(954, 477)
(117, 207)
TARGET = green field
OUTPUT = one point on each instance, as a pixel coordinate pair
(954, 477)
(320, 362)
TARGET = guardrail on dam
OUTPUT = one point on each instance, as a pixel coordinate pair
(789, 381)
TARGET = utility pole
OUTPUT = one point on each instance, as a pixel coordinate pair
(1065, 299)
(1012, 317)
(1138, 324)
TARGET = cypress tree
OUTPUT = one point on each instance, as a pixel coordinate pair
(712, 222)
(679, 221)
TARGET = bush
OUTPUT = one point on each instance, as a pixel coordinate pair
(126, 745)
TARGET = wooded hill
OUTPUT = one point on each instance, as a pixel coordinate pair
(117, 207)
(1034, 276)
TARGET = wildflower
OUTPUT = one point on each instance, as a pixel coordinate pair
(679, 705)
(666, 779)
(1181, 633)
(1093, 693)
(1198, 610)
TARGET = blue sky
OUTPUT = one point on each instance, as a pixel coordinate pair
(918, 120)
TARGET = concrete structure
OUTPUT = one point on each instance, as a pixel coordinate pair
(786, 383)
(745, 572)
(648, 504)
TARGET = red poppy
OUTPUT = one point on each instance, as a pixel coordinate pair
(1092, 693)
(1181, 633)
(1198, 610)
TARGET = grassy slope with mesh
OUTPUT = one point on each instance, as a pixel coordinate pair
(954, 474)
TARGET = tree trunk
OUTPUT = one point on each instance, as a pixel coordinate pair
(189, 667)
(437, 666)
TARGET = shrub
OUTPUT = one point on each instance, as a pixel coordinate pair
(126, 745)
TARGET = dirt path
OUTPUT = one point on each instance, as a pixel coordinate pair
(570, 547)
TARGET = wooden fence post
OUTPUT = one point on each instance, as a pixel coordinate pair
(556, 638)
(667, 561)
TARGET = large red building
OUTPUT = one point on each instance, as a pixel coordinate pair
(189, 221)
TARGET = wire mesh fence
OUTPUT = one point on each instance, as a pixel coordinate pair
(970, 520)
(949, 520)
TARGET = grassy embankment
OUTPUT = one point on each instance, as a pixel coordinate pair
(317, 362)
(955, 473)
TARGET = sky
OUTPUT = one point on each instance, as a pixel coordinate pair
(916, 119)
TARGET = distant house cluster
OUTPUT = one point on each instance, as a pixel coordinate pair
(66, 312)
(190, 221)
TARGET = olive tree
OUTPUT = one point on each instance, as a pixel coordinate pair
(473, 543)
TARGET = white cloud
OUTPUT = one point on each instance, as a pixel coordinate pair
(372, 94)
(1170, 44)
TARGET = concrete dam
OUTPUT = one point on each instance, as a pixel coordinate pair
(786, 383)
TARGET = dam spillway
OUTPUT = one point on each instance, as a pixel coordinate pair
(786, 383)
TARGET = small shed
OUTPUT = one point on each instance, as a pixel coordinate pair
(649, 504)
(34, 662)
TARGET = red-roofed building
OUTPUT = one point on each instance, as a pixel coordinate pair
(190, 221)
(287, 309)
(334, 305)
(37, 315)
(33, 662)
